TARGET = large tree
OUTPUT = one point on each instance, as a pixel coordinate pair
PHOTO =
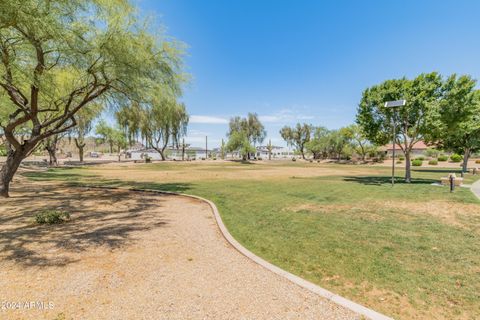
(238, 141)
(456, 124)
(110, 135)
(412, 121)
(297, 136)
(250, 128)
(59, 56)
(319, 144)
(165, 121)
(358, 139)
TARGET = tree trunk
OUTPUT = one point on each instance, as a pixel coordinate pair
(111, 147)
(363, 152)
(14, 158)
(52, 153)
(466, 155)
(408, 174)
(80, 146)
(80, 153)
(53, 157)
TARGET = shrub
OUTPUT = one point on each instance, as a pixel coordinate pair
(442, 158)
(294, 159)
(477, 161)
(456, 157)
(420, 158)
(52, 216)
(401, 158)
(417, 162)
(433, 162)
(432, 152)
(399, 161)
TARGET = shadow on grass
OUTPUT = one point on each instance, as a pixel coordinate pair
(381, 180)
(75, 179)
(242, 161)
(445, 170)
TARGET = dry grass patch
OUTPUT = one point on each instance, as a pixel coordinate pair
(448, 212)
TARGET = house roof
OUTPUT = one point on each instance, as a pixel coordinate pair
(420, 145)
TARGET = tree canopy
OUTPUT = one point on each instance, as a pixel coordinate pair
(456, 122)
(165, 121)
(244, 133)
(297, 136)
(413, 121)
(59, 56)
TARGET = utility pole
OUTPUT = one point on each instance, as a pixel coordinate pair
(206, 147)
(223, 150)
(270, 149)
(183, 149)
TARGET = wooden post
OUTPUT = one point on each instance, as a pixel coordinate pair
(206, 147)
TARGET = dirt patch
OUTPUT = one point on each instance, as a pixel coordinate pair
(212, 171)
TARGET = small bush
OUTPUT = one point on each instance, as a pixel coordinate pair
(433, 162)
(420, 158)
(401, 158)
(477, 161)
(417, 163)
(432, 152)
(442, 158)
(399, 161)
(52, 217)
(456, 157)
(294, 159)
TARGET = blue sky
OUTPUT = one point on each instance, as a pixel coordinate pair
(308, 61)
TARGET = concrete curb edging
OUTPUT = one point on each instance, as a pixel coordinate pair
(339, 300)
(475, 188)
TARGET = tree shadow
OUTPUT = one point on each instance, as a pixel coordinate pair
(446, 170)
(242, 161)
(99, 219)
(381, 180)
(75, 179)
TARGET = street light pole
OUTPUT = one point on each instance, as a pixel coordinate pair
(393, 105)
(394, 145)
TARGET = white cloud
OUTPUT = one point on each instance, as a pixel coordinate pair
(285, 116)
(207, 119)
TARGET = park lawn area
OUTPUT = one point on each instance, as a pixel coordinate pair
(411, 252)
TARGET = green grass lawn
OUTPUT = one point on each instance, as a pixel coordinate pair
(411, 251)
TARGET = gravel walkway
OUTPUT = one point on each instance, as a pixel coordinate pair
(131, 255)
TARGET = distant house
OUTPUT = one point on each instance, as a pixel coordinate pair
(141, 154)
(419, 148)
(277, 152)
(191, 153)
(171, 153)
